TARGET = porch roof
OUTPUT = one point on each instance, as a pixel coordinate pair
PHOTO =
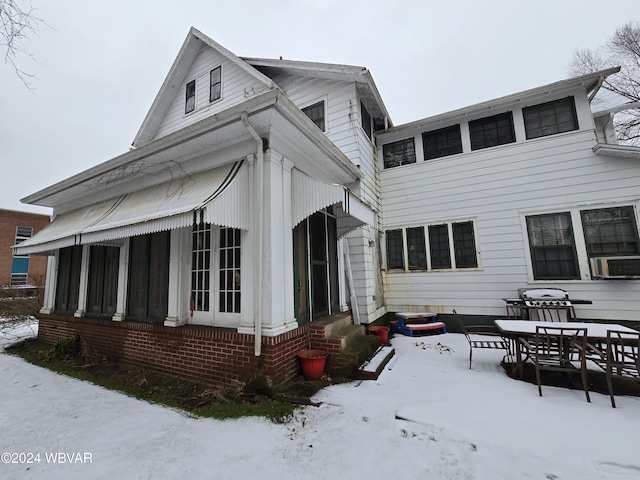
(215, 196)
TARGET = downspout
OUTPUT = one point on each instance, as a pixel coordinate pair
(260, 232)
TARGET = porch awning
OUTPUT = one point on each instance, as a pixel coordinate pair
(216, 196)
(310, 196)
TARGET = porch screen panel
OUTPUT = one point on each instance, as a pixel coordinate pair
(159, 276)
(103, 280)
(68, 280)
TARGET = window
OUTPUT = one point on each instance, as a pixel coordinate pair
(190, 97)
(491, 131)
(201, 267)
(443, 142)
(366, 120)
(230, 270)
(68, 279)
(399, 153)
(550, 118)
(395, 255)
(610, 232)
(439, 246)
(417, 253)
(464, 245)
(148, 294)
(215, 84)
(22, 234)
(316, 113)
(553, 253)
(102, 288)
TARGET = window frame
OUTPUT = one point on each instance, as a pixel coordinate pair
(480, 130)
(366, 120)
(630, 222)
(446, 141)
(229, 240)
(536, 127)
(213, 94)
(398, 149)
(319, 106)
(565, 248)
(190, 97)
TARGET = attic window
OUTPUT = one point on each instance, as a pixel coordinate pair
(215, 84)
(190, 97)
(316, 113)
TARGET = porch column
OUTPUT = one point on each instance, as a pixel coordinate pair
(123, 278)
(84, 279)
(249, 281)
(179, 291)
(49, 299)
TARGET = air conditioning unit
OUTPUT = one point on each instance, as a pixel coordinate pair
(615, 267)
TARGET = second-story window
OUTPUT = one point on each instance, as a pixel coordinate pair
(491, 131)
(442, 142)
(215, 84)
(366, 120)
(550, 118)
(399, 153)
(190, 97)
(316, 113)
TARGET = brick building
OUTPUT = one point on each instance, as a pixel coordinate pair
(15, 227)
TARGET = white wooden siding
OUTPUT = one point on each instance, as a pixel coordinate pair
(496, 187)
(237, 85)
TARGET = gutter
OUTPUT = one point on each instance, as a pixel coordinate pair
(259, 228)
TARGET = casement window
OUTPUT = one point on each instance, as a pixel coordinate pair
(413, 248)
(550, 118)
(148, 294)
(442, 142)
(552, 245)
(610, 232)
(491, 131)
(365, 118)
(68, 279)
(215, 84)
(230, 270)
(102, 288)
(316, 113)
(190, 97)
(398, 153)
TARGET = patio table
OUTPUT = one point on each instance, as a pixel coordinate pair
(516, 329)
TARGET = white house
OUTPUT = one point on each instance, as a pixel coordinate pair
(261, 196)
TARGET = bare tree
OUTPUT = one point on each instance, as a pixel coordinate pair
(17, 25)
(622, 49)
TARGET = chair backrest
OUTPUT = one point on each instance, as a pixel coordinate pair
(623, 358)
(550, 310)
(461, 325)
(567, 343)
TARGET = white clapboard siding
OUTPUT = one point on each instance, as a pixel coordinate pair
(237, 86)
(495, 188)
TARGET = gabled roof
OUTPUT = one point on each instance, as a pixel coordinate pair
(193, 43)
(361, 76)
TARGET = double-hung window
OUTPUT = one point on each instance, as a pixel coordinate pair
(550, 118)
(553, 250)
(316, 113)
(215, 84)
(442, 142)
(190, 97)
(491, 131)
(402, 152)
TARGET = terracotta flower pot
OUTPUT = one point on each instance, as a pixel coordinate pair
(312, 363)
(381, 332)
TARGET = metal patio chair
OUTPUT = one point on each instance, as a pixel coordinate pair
(620, 359)
(481, 336)
(559, 349)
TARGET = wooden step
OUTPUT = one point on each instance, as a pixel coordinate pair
(373, 367)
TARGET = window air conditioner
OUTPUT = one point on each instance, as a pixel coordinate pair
(615, 267)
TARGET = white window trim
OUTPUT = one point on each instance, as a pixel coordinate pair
(325, 99)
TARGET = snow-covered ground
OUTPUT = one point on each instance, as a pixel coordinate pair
(427, 417)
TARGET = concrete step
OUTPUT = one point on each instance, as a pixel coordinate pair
(373, 366)
(328, 326)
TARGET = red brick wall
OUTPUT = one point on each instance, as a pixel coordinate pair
(9, 220)
(216, 356)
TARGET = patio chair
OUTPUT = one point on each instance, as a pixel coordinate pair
(559, 349)
(620, 359)
(481, 336)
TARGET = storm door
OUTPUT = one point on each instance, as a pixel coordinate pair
(315, 267)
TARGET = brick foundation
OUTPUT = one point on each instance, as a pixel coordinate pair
(217, 356)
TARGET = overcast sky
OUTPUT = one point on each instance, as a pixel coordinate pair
(101, 63)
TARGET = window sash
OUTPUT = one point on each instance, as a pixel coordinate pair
(441, 143)
(230, 270)
(550, 118)
(365, 118)
(316, 113)
(395, 250)
(552, 246)
(416, 249)
(610, 232)
(190, 97)
(215, 84)
(491, 131)
(464, 245)
(402, 152)
(439, 247)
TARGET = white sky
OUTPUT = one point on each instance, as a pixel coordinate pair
(101, 63)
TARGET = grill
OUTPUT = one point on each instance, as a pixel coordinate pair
(546, 304)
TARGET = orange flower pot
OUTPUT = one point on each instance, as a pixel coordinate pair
(381, 332)
(312, 363)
